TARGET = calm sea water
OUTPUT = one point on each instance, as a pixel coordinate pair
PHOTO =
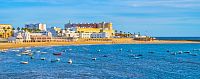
(110, 62)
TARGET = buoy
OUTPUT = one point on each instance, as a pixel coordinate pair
(32, 57)
(120, 49)
(58, 59)
(168, 51)
(151, 52)
(105, 56)
(186, 51)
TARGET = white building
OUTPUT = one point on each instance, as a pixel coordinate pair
(71, 35)
(134, 36)
(54, 30)
(39, 26)
(100, 35)
(137, 36)
(39, 33)
(26, 36)
(85, 35)
(17, 38)
(94, 35)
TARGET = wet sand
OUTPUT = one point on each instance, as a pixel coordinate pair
(30, 44)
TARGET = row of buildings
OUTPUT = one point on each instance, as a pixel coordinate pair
(71, 32)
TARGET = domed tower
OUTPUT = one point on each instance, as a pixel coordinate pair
(109, 25)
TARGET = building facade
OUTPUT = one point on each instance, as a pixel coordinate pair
(5, 30)
(55, 31)
(39, 26)
(100, 35)
(92, 28)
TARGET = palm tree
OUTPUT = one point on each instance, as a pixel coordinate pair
(13, 28)
(120, 32)
(115, 31)
(18, 28)
(22, 28)
(8, 28)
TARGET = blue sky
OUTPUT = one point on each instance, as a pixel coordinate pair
(178, 18)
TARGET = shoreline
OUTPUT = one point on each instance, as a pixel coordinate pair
(33, 44)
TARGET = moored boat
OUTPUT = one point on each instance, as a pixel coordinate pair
(94, 58)
(98, 50)
(57, 54)
(186, 51)
(24, 62)
(43, 52)
(56, 60)
(42, 58)
(70, 61)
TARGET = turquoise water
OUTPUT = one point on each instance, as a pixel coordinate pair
(134, 61)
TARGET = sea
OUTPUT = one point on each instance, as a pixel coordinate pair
(115, 61)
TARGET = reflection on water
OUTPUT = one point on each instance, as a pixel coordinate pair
(112, 61)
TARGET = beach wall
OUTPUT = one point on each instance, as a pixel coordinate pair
(89, 41)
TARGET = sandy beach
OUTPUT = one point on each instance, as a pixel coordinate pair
(30, 44)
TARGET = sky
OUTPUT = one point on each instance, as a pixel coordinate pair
(157, 18)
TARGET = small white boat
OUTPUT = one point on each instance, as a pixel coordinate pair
(136, 57)
(98, 50)
(42, 58)
(56, 60)
(24, 62)
(30, 54)
(25, 53)
(43, 52)
(94, 58)
(180, 52)
(70, 61)
(3, 51)
(173, 53)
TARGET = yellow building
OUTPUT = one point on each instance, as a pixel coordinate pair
(5, 30)
(93, 28)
